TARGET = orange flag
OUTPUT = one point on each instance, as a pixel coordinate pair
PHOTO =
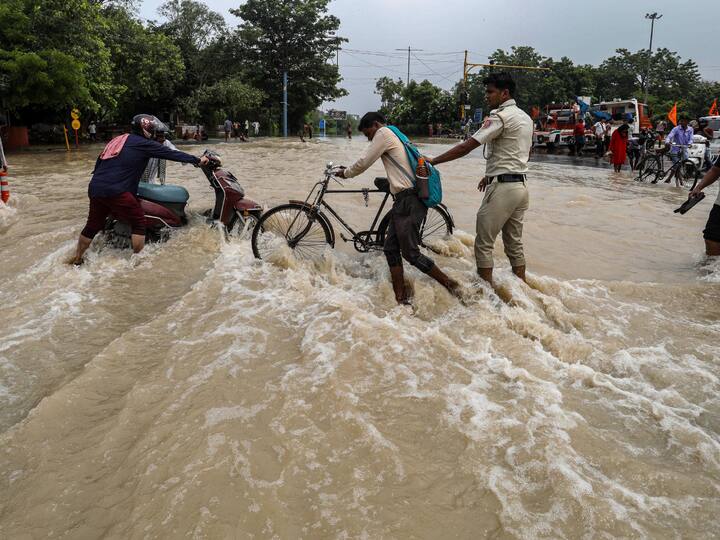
(713, 109)
(672, 115)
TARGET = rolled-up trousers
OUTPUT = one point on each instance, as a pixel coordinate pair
(502, 209)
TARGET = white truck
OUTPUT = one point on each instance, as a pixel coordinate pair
(625, 110)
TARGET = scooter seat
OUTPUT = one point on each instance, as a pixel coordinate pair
(167, 193)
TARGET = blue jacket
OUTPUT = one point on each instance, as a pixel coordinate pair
(122, 173)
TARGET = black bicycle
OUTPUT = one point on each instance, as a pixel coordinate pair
(304, 227)
(652, 167)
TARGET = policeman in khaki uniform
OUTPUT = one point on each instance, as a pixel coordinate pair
(507, 136)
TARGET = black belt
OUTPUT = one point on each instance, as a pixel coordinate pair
(502, 178)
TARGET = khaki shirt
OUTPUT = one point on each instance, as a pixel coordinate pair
(385, 143)
(507, 136)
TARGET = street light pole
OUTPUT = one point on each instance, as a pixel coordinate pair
(285, 104)
(653, 17)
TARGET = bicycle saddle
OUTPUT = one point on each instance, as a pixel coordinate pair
(382, 184)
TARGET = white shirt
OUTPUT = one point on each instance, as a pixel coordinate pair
(599, 129)
(385, 143)
(155, 171)
(507, 135)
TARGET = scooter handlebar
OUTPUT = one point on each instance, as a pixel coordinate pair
(213, 159)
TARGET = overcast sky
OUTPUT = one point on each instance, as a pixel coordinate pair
(586, 32)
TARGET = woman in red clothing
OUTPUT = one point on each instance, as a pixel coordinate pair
(618, 146)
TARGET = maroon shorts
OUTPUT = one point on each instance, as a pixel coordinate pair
(124, 207)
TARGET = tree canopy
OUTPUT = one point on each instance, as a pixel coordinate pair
(101, 57)
(296, 36)
(624, 75)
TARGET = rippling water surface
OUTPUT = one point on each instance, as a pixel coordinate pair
(192, 391)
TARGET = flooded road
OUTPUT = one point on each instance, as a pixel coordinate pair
(192, 391)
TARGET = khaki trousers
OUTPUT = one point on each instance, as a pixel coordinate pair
(502, 209)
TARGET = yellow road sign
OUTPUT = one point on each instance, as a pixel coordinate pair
(75, 114)
(75, 124)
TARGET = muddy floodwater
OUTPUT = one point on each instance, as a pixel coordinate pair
(192, 391)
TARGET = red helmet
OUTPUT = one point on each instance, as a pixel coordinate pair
(146, 125)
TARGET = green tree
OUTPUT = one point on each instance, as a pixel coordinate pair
(43, 80)
(60, 37)
(390, 92)
(296, 36)
(226, 98)
(698, 102)
(194, 29)
(626, 74)
(148, 68)
(418, 104)
(559, 82)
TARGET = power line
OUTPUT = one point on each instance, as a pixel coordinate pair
(432, 71)
(409, 50)
(370, 63)
(366, 65)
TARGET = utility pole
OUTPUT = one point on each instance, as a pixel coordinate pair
(653, 17)
(407, 83)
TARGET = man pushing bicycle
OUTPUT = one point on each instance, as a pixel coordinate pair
(408, 211)
(677, 142)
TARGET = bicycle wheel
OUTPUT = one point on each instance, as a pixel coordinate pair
(688, 170)
(291, 226)
(650, 168)
(437, 225)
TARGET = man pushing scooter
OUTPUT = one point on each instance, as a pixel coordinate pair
(114, 184)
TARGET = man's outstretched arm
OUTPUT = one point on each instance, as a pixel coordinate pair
(377, 148)
(456, 152)
(491, 129)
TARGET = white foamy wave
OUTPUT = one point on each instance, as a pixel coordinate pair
(710, 269)
(539, 410)
(8, 215)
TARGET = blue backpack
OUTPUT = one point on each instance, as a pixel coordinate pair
(434, 181)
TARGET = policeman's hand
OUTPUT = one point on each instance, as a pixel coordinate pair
(483, 184)
(203, 161)
(340, 171)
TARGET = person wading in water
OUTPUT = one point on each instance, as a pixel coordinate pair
(114, 184)
(711, 234)
(408, 211)
(507, 135)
